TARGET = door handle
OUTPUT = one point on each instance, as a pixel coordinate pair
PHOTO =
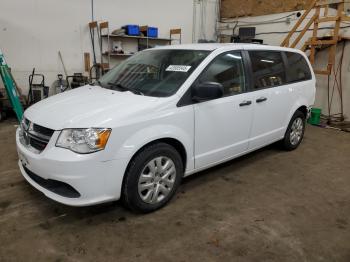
(245, 103)
(261, 99)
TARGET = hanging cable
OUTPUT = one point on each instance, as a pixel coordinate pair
(328, 99)
(341, 82)
(337, 85)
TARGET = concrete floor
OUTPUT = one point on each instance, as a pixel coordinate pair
(268, 206)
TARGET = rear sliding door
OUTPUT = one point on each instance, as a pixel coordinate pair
(272, 97)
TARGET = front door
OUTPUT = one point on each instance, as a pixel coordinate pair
(222, 126)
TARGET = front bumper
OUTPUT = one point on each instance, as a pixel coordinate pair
(95, 180)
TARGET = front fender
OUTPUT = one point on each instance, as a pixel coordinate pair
(149, 134)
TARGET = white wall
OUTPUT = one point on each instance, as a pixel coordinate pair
(270, 28)
(33, 31)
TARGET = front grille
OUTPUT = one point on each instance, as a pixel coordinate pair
(38, 144)
(35, 135)
(55, 186)
(43, 130)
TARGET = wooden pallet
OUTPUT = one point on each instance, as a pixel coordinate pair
(316, 42)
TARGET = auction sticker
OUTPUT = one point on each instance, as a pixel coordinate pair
(178, 68)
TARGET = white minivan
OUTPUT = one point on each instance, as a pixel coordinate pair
(163, 114)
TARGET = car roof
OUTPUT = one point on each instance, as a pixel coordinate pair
(216, 46)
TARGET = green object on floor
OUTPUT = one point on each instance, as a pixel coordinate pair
(315, 116)
(10, 88)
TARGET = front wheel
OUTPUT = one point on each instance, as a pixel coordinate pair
(152, 178)
(295, 131)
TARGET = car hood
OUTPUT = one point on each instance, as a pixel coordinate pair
(90, 106)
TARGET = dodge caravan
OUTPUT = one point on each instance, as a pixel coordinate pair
(163, 114)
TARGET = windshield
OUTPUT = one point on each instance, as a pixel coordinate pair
(158, 72)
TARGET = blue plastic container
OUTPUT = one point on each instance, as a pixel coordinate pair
(133, 30)
(152, 32)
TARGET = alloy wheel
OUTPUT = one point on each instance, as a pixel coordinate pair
(296, 131)
(156, 180)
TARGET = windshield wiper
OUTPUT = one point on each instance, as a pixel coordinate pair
(119, 85)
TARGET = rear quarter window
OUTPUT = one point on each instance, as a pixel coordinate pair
(297, 69)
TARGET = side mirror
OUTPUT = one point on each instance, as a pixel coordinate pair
(207, 91)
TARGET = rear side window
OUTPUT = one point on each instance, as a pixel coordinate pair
(298, 68)
(268, 69)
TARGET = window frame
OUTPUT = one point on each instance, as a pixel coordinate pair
(251, 74)
(287, 64)
(186, 99)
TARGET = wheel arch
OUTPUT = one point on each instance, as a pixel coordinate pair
(303, 109)
(178, 145)
(300, 105)
(181, 139)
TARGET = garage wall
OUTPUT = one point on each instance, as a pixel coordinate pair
(33, 31)
(273, 29)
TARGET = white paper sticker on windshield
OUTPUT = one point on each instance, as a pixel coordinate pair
(178, 68)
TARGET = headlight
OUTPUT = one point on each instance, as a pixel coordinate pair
(84, 140)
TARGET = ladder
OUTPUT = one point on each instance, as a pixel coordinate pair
(10, 87)
(316, 42)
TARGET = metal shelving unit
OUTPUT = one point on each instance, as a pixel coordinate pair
(147, 41)
(106, 36)
(139, 37)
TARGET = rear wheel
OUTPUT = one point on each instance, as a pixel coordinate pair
(152, 178)
(295, 131)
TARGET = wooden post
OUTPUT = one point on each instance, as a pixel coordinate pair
(332, 52)
(314, 36)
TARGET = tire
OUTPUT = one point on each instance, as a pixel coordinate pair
(295, 131)
(143, 179)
